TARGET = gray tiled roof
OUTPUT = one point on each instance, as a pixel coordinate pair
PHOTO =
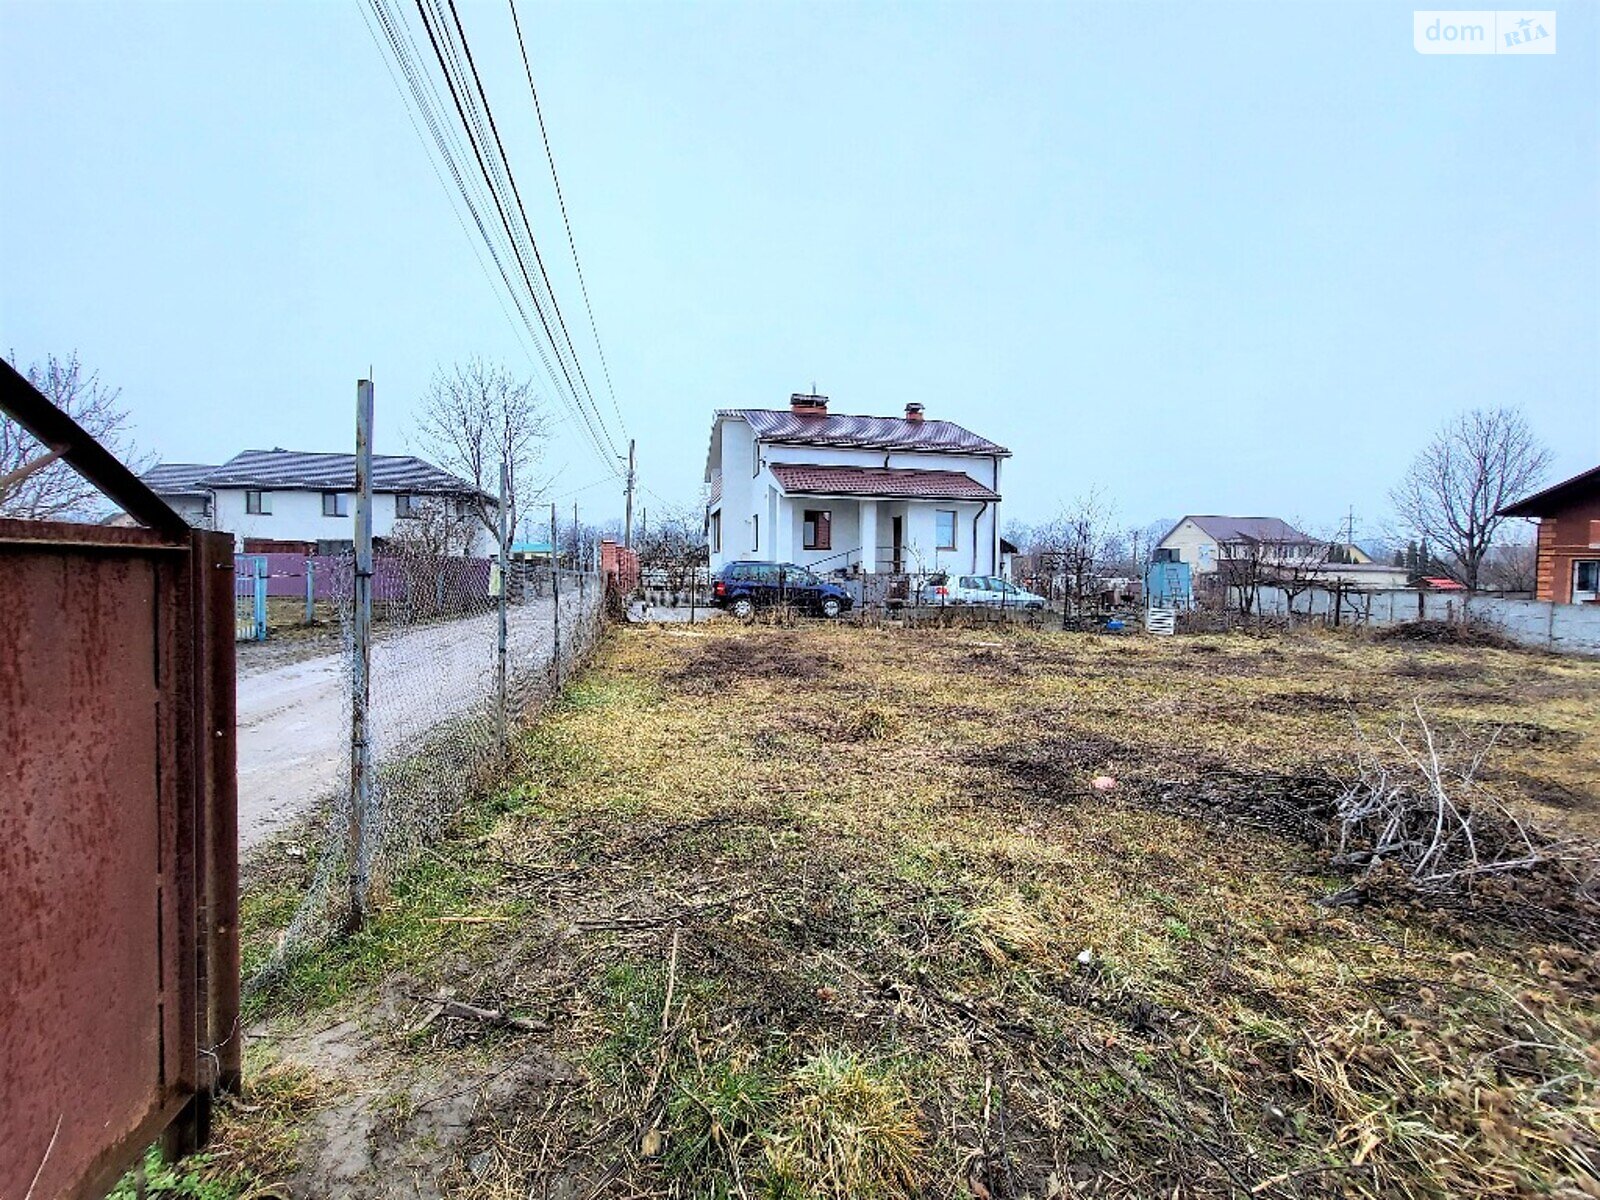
(177, 479)
(877, 433)
(296, 470)
(1249, 529)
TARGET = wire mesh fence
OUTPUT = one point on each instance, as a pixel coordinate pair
(437, 724)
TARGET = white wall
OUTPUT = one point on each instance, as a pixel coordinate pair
(297, 517)
(1566, 628)
(1194, 546)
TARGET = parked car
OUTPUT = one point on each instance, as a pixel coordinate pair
(988, 590)
(743, 587)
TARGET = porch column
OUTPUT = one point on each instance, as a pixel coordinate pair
(782, 509)
(869, 536)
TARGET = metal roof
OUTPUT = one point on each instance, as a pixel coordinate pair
(884, 482)
(297, 470)
(1552, 499)
(1247, 529)
(177, 479)
(876, 433)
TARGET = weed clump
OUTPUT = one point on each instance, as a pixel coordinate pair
(848, 1129)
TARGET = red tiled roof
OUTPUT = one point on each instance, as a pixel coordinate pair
(888, 482)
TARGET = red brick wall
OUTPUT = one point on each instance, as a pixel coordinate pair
(621, 564)
(1569, 535)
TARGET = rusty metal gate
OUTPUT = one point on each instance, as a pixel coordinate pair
(118, 844)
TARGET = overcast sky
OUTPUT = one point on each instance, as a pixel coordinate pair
(1231, 258)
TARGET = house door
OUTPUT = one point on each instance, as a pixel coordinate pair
(897, 535)
(1586, 581)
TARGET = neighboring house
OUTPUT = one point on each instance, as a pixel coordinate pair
(295, 500)
(832, 491)
(179, 485)
(1209, 544)
(1568, 569)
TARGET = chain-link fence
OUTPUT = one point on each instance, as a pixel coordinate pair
(446, 689)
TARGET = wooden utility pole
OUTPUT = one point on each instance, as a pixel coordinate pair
(627, 519)
(361, 663)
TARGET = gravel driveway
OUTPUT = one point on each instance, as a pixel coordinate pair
(294, 719)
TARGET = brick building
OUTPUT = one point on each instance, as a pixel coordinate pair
(1569, 538)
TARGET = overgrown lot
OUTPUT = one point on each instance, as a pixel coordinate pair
(827, 911)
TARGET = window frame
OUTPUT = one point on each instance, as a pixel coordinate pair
(755, 533)
(955, 520)
(261, 506)
(820, 536)
(405, 506)
(341, 500)
(716, 533)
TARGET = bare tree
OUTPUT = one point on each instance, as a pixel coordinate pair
(1079, 542)
(437, 526)
(672, 550)
(1477, 463)
(55, 491)
(1512, 564)
(477, 415)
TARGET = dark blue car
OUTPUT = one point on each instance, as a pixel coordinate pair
(743, 587)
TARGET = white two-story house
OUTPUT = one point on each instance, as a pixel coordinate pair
(305, 502)
(832, 491)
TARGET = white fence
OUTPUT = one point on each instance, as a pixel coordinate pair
(1565, 628)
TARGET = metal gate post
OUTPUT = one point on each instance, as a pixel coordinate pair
(261, 600)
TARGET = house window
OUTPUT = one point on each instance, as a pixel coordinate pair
(755, 459)
(1585, 581)
(755, 533)
(1167, 555)
(406, 506)
(716, 533)
(258, 504)
(946, 527)
(335, 504)
(818, 529)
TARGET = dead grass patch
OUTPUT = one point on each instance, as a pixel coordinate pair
(822, 938)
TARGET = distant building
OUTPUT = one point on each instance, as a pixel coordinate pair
(1568, 569)
(304, 502)
(1211, 544)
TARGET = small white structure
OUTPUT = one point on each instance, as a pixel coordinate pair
(868, 494)
(307, 500)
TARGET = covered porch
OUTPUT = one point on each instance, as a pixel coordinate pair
(820, 524)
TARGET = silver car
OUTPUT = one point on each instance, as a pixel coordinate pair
(988, 590)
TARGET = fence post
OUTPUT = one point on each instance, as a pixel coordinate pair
(361, 659)
(311, 592)
(505, 589)
(555, 603)
(260, 599)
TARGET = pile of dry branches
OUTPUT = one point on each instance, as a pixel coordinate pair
(1418, 811)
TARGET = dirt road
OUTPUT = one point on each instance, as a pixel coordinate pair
(294, 719)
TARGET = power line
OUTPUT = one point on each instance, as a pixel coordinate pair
(478, 191)
(561, 199)
(448, 148)
(517, 194)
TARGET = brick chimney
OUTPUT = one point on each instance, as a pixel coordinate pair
(808, 405)
(913, 412)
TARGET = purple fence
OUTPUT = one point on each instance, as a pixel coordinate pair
(394, 579)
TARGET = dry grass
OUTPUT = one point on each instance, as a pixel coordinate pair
(821, 911)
